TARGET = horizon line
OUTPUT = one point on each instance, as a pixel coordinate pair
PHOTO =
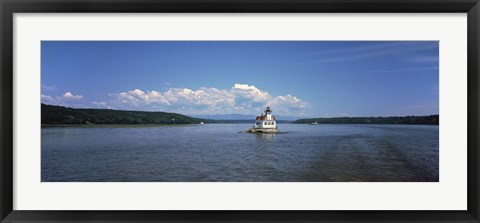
(297, 118)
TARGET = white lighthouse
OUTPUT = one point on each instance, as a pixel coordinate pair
(265, 123)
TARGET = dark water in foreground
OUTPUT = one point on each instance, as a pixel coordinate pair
(217, 152)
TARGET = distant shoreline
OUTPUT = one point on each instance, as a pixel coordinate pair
(59, 116)
(178, 125)
(403, 120)
(112, 125)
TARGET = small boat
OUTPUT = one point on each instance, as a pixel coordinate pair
(314, 123)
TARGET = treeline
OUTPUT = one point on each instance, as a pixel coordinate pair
(420, 120)
(52, 114)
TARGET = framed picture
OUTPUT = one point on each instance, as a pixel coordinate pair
(200, 111)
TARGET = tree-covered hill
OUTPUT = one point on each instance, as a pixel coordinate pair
(423, 120)
(52, 114)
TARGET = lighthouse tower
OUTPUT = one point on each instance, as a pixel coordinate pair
(268, 113)
(265, 122)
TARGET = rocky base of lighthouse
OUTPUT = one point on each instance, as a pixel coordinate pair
(262, 130)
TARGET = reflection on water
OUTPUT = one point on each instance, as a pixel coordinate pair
(217, 152)
(265, 137)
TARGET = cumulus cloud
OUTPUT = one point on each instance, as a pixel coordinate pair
(68, 99)
(241, 98)
(174, 96)
(46, 98)
(69, 96)
(251, 92)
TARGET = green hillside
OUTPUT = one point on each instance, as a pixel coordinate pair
(52, 114)
(422, 120)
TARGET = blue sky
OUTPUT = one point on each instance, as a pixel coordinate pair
(295, 78)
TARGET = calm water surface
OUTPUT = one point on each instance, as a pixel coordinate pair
(217, 152)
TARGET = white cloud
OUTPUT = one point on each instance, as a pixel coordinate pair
(241, 98)
(288, 104)
(69, 96)
(287, 100)
(251, 92)
(68, 99)
(175, 97)
(46, 98)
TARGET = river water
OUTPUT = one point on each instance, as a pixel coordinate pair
(218, 153)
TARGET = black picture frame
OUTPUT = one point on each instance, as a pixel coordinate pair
(9, 7)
